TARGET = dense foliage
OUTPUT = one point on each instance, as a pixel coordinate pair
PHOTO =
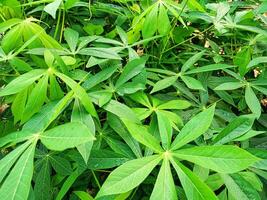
(126, 99)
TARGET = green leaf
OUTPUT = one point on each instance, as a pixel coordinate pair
(165, 129)
(104, 159)
(18, 105)
(83, 195)
(72, 38)
(51, 8)
(252, 101)
(242, 59)
(256, 61)
(42, 186)
(150, 24)
(107, 53)
(133, 68)
(193, 185)
(36, 99)
(164, 83)
(239, 187)
(141, 134)
(80, 115)
(197, 126)
(22, 82)
(15, 137)
(191, 61)
(129, 175)
(209, 68)
(80, 93)
(223, 159)
(18, 182)
(121, 110)
(116, 124)
(99, 77)
(8, 161)
(175, 105)
(163, 23)
(66, 136)
(229, 86)
(234, 129)
(192, 83)
(164, 188)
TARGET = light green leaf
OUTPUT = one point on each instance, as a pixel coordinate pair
(133, 68)
(80, 93)
(51, 8)
(252, 101)
(164, 188)
(223, 159)
(107, 53)
(165, 129)
(257, 61)
(174, 104)
(209, 68)
(18, 183)
(22, 82)
(72, 38)
(129, 175)
(163, 24)
(164, 83)
(193, 185)
(197, 126)
(192, 83)
(66, 136)
(83, 195)
(141, 134)
(150, 24)
(36, 99)
(229, 86)
(234, 129)
(191, 61)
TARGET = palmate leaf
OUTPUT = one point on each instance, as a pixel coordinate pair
(223, 159)
(18, 182)
(66, 136)
(129, 175)
(197, 126)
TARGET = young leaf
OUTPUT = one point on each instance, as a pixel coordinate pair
(229, 86)
(197, 126)
(129, 175)
(164, 188)
(66, 136)
(223, 159)
(193, 185)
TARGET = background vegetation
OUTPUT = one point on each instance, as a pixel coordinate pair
(127, 99)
